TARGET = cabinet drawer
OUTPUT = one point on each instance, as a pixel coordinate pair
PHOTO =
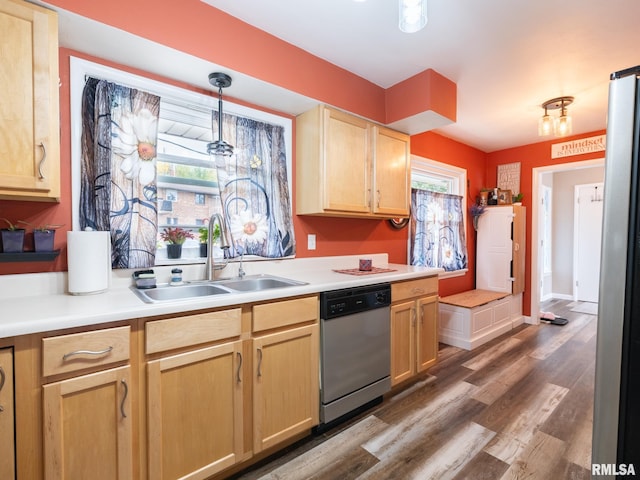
(68, 353)
(287, 312)
(190, 330)
(414, 288)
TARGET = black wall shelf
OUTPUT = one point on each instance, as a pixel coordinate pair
(29, 256)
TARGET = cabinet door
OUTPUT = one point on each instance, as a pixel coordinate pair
(7, 419)
(403, 320)
(29, 138)
(87, 427)
(285, 390)
(195, 412)
(519, 248)
(427, 332)
(391, 172)
(347, 163)
(494, 250)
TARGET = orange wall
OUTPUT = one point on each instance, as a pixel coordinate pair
(187, 26)
(205, 32)
(334, 236)
(532, 156)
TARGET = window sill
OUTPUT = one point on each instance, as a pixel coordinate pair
(454, 273)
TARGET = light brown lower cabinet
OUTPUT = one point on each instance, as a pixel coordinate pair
(195, 412)
(88, 427)
(285, 386)
(414, 328)
(173, 397)
(7, 418)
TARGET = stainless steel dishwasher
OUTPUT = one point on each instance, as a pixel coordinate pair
(355, 350)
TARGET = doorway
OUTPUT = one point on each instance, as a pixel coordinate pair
(561, 252)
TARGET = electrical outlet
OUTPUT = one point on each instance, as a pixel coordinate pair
(311, 241)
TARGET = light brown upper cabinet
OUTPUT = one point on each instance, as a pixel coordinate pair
(29, 111)
(347, 166)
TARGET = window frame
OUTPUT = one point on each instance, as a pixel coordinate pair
(458, 177)
(81, 69)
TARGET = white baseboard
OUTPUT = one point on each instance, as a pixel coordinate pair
(561, 296)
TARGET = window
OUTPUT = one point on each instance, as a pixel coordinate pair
(433, 176)
(427, 174)
(188, 192)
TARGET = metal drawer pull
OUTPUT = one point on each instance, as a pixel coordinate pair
(239, 367)
(259, 362)
(3, 377)
(418, 290)
(124, 398)
(44, 157)
(87, 352)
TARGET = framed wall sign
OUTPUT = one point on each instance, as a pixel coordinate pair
(509, 177)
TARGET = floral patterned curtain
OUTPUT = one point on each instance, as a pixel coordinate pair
(254, 188)
(437, 230)
(118, 186)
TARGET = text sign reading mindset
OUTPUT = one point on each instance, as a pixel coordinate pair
(579, 147)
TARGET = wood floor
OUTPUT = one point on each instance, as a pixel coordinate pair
(518, 407)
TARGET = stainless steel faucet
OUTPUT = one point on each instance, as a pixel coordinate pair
(241, 249)
(211, 265)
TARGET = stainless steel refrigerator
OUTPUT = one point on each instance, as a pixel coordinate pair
(616, 420)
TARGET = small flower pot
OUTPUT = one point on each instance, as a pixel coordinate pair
(203, 249)
(43, 240)
(12, 240)
(174, 250)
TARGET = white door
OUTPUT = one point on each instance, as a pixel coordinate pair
(587, 240)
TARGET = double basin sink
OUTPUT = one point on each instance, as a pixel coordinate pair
(250, 283)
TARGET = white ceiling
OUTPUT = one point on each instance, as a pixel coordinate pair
(506, 56)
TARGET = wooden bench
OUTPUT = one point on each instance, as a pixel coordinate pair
(469, 319)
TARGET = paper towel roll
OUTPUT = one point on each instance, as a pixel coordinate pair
(89, 262)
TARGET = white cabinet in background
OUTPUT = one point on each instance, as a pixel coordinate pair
(500, 249)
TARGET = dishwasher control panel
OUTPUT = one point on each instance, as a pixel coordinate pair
(337, 303)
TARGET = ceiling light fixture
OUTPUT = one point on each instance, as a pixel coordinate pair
(561, 126)
(219, 147)
(413, 15)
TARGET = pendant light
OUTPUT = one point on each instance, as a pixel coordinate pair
(561, 125)
(219, 147)
(545, 124)
(412, 15)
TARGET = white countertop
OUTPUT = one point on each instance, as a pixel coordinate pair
(33, 303)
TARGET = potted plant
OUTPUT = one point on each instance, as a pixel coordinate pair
(175, 237)
(12, 238)
(476, 211)
(517, 199)
(203, 232)
(43, 236)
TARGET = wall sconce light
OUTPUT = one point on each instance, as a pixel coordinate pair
(219, 147)
(413, 15)
(561, 125)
